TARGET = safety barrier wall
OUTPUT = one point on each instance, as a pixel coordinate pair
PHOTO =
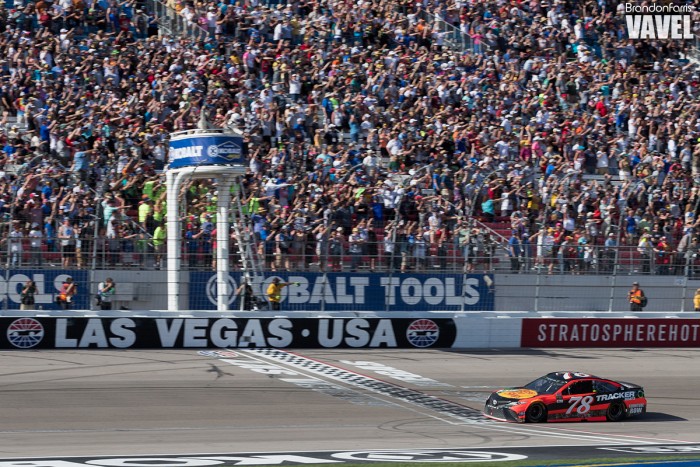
(397, 330)
(610, 332)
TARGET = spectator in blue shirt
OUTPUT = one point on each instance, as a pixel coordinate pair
(514, 251)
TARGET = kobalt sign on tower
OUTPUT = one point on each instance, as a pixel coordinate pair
(206, 149)
(228, 150)
(655, 21)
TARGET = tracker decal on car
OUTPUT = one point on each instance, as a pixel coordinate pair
(619, 395)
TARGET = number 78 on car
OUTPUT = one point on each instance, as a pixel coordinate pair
(567, 397)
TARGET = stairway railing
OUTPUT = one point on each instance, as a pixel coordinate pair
(173, 24)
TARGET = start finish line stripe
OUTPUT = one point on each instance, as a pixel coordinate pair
(464, 414)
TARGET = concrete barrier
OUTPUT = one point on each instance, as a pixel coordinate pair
(162, 329)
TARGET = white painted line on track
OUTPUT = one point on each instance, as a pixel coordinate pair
(183, 428)
(466, 415)
(631, 437)
(313, 451)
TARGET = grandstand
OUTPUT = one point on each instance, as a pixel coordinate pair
(443, 139)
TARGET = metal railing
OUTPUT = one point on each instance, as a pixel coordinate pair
(454, 37)
(585, 295)
(602, 260)
(695, 49)
(397, 253)
(198, 254)
(171, 23)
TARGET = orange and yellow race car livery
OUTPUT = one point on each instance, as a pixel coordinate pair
(567, 396)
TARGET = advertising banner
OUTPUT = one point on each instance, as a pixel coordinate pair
(48, 283)
(203, 149)
(603, 332)
(169, 333)
(361, 292)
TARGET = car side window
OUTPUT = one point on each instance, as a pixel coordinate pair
(581, 387)
(603, 387)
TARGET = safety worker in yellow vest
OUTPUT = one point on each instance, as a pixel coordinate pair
(274, 292)
(636, 298)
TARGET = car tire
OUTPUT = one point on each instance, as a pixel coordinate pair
(536, 413)
(615, 412)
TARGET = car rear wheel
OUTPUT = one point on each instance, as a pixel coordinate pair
(616, 412)
(536, 413)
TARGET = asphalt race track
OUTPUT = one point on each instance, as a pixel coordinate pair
(138, 403)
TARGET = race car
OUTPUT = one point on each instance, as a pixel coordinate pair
(567, 396)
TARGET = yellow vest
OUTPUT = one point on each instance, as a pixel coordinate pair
(274, 292)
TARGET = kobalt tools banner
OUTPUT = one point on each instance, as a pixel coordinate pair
(161, 333)
(362, 292)
(48, 285)
(602, 332)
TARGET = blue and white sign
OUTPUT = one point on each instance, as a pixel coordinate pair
(206, 149)
(48, 285)
(359, 292)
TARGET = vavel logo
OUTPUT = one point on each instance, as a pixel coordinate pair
(656, 21)
(228, 150)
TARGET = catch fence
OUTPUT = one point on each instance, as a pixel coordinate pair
(392, 253)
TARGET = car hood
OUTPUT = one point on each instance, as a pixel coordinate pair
(512, 394)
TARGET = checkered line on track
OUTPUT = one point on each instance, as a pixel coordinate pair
(464, 414)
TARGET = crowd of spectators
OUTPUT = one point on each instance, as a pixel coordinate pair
(373, 140)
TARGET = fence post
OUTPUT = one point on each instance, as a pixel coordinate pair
(613, 283)
(394, 229)
(684, 291)
(97, 219)
(537, 291)
(387, 300)
(6, 297)
(324, 261)
(323, 290)
(455, 257)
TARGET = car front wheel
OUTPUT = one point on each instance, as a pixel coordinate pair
(536, 413)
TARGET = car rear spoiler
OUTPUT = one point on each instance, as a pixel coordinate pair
(630, 385)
